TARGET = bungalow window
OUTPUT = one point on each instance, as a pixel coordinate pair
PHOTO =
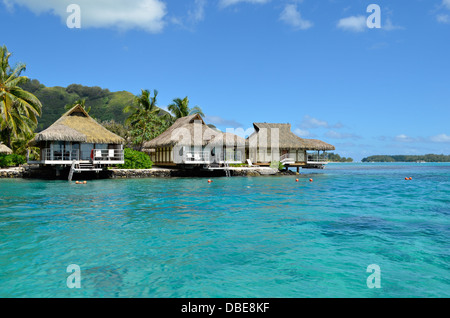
(58, 149)
(86, 151)
(76, 151)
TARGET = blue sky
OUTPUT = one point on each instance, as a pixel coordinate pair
(314, 64)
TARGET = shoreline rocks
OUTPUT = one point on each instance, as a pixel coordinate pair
(15, 172)
(156, 172)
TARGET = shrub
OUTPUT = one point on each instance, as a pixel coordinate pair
(239, 165)
(11, 160)
(277, 165)
(136, 160)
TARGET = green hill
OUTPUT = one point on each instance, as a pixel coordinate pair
(105, 105)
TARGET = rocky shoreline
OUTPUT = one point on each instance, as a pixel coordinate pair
(18, 172)
(39, 173)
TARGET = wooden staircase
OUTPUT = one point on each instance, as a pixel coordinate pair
(78, 167)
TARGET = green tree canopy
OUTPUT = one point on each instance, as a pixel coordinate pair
(19, 108)
(144, 121)
(81, 102)
(180, 108)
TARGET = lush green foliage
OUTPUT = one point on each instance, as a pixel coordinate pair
(277, 165)
(336, 158)
(136, 160)
(145, 121)
(408, 158)
(20, 145)
(81, 102)
(19, 108)
(105, 105)
(11, 160)
(148, 127)
(238, 165)
(119, 129)
(180, 108)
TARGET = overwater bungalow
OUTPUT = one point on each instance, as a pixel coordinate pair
(189, 143)
(276, 142)
(76, 140)
(4, 150)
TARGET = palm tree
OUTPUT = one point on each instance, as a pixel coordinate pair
(143, 103)
(19, 109)
(144, 115)
(180, 108)
(20, 145)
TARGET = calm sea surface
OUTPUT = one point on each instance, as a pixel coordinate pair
(236, 237)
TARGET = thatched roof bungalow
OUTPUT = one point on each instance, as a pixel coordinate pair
(276, 142)
(76, 136)
(4, 149)
(189, 141)
(77, 126)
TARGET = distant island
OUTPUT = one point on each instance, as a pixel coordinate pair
(408, 158)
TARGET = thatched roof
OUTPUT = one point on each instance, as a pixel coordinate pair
(4, 149)
(287, 139)
(185, 129)
(315, 144)
(77, 126)
(228, 140)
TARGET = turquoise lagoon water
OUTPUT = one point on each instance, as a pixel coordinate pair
(237, 237)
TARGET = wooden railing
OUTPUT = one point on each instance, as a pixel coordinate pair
(231, 157)
(77, 155)
(108, 155)
(206, 157)
(287, 158)
(316, 158)
(196, 156)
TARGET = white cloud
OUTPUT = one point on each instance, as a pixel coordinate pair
(446, 3)
(219, 121)
(120, 14)
(292, 16)
(403, 138)
(309, 122)
(389, 26)
(353, 23)
(337, 135)
(227, 3)
(198, 13)
(440, 138)
(443, 18)
(303, 133)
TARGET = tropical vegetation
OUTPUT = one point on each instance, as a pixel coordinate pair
(332, 157)
(81, 102)
(136, 160)
(180, 108)
(145, 121)
(277, 165)
(105, 105)
(19, 108)
(12, 160)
